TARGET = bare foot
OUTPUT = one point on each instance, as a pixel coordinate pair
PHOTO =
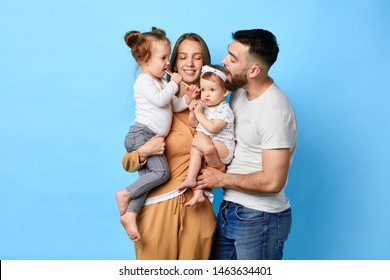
(122, 199)
(196, 199)
(187, 183)
(129, 222)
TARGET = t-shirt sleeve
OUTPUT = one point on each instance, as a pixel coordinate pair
(277, 130)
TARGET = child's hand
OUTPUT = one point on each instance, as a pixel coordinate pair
(198, 108)
(193, 104)
(193, 91)
(177, 78)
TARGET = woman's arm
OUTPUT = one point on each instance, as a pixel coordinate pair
(136, 159)
(131, 161)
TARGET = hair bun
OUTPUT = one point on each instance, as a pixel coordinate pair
(131, 37)
(158, 31)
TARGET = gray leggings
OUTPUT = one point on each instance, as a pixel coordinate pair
(153, 174)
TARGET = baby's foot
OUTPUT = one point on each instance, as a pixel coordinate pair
(187, 183)
(122, 199)
(129, 222)
(196, 199)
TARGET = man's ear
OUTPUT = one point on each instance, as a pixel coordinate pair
(254, 70)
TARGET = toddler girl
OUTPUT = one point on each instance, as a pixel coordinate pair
(155, 99)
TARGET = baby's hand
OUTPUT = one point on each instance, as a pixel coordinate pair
(198, 108)
(193, 104)
(177, 78)
(193, 91)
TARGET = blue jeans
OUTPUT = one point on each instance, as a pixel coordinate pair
(247, 234)
(153, 174)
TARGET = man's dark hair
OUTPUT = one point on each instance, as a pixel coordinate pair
(262, 44)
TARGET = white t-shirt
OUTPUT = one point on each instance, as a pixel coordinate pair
(154, 102)
(267, 122)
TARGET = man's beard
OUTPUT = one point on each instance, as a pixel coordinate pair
(237, 82)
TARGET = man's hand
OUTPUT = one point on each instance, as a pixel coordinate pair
(209, 178)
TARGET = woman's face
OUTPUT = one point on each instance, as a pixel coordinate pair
(189, 61)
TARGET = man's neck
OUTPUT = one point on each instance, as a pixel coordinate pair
(256, 88)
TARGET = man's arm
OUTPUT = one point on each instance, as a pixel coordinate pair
(271, 180)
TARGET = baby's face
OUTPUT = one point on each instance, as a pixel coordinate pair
(212, 94)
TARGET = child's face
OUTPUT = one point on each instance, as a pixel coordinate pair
(212, 94)
(159, 59)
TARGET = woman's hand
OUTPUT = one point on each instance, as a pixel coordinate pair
(155, 146)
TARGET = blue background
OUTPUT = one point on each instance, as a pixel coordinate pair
(66, 103)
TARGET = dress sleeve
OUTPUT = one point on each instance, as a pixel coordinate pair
(130, 161)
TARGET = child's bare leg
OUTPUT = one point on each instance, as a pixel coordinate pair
(221, 149)
(122, 199)
(206, 146)
(129, 222)
(197, 198)
(193, 169)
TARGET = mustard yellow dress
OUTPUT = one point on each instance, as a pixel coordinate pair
(169, 230)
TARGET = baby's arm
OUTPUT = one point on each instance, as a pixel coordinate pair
(192, 120)
(212, 126)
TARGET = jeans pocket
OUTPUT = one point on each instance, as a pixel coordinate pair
(250, 215)
(130, 140)
(284, 225)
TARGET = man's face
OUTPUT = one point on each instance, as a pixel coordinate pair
(237, 65)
